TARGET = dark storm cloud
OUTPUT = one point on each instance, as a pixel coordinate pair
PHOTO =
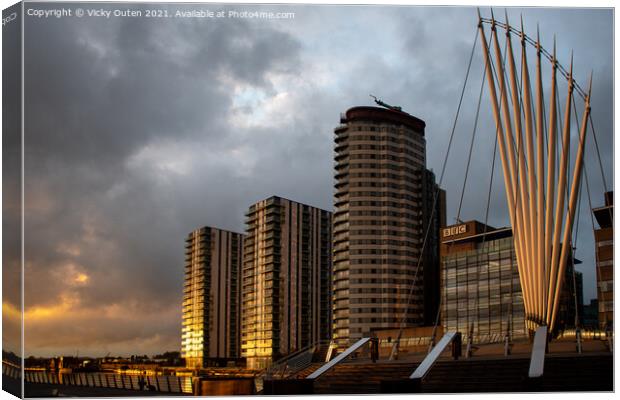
(97, 94)
(11, 186)
(139, 132)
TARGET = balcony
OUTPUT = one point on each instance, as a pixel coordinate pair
(341, 201)
(341, 165)
(341, 156)
(340, 145)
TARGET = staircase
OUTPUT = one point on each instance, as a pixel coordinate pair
(307, 371)
(477, 375)
(563, 372)
(320, 353)
(585, 372)
(361, 377)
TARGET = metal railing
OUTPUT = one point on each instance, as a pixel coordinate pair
(339, 358)
(490, 338)
(580, 335)
(293, 362)
(160, 383)
(11, 370)
(288, 365)
(539, 348)
(418, 341)
(586, 333)
(432, 357)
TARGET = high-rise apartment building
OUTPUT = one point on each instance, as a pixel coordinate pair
(604, 238)
(211, 296)
(286, 279)
(480, 284)
(383, 206)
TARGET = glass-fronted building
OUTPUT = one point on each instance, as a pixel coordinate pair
(481, 288)
(480, 283)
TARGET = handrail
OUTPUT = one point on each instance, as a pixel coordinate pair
(506, 345)
(340, 357)
(537, 360)
(584, 333)
(294, 365)
(430, 359)
(280, 365)
(330, 350)
(284, 360)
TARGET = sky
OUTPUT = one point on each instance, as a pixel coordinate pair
(141, 130)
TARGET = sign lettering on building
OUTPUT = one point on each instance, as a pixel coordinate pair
(454, 230)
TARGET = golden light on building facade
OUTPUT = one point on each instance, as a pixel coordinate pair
(211, 296)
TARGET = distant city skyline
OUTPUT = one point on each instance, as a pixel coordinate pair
(139, 132)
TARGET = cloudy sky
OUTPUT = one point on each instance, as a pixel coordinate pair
(140, 130)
